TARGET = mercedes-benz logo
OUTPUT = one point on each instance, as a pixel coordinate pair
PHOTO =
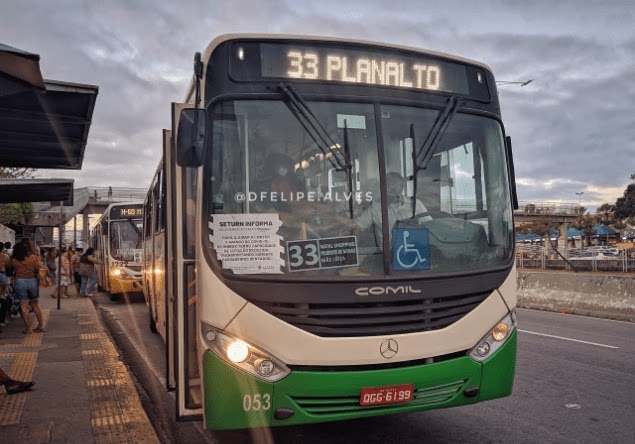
(389, 348)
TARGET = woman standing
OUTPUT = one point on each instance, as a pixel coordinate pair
(50, 261)
(65, 276)
(5, 302)
(87, 272)
(25, 286)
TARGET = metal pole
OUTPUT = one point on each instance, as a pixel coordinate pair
(59, 255)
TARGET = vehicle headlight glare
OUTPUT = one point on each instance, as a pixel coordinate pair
(495, 339)
(116, 271)
(500, 332)
(238, 351)
(243, 355)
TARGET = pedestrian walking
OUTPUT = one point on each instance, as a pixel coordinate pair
(77, 279)
(65, 275)
(26, 287)
(5, 301)
(4, 262)
(50, 260)
(87, 272)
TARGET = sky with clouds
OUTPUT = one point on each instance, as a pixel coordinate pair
(573, 127)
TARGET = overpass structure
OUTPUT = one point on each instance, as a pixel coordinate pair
(529, 211)
(87, 201)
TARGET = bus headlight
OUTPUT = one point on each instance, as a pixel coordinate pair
(116, 271)
(237, 351)
(264, 367)
(494, 339)
(243, 355)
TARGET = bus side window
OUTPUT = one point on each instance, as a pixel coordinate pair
(148, 216)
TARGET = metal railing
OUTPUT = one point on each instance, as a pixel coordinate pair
(538, 257)
(104, 195)
(548, 208)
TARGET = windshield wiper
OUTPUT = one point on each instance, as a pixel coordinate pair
(313, 127)
(135, 227)
(436, 132)
(421, 158)
(349, 175)
(321, 137)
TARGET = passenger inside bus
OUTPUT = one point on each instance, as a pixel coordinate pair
(281, 189)
(278, 182)
(399, 208)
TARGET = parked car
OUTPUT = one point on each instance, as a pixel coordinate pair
(593, 255)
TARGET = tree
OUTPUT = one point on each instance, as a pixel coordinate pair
(586, 224)
(625, 205)
(13, 213)
(542, 226)
(16, 173)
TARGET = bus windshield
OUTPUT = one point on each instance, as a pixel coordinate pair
(125, 239)
(352, 197)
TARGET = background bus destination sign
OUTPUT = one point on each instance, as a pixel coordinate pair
(126, 211)
(368, 67)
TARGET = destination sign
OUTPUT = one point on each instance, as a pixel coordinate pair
(332, 252)
(126, 212)
(364, 67)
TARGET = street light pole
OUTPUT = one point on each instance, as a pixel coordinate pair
(510, 82)
(579, 202)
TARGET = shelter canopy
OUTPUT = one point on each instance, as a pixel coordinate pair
(43, 123)
(36, 190)
(45, 129)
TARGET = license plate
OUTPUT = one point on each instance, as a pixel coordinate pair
(390, 394)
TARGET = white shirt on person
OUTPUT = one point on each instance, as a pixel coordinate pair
(371, 216)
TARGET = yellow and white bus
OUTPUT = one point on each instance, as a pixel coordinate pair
(329, 234)
(116, 240)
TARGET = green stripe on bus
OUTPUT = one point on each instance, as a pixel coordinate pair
(234, 399)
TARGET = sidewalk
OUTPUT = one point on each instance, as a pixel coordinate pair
(83, 392)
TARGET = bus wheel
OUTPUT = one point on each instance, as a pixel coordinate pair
(153, 325)
(114, 297)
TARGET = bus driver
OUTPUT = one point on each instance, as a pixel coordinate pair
(398, 207)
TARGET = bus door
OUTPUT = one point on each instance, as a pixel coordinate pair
(164, 253)
(183, 360)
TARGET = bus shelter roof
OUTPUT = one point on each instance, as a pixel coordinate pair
(22, 67)
(36, 190)
(43, 123)
(45, 128)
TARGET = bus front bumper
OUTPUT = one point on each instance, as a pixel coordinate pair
(125, 285)
(236, 400)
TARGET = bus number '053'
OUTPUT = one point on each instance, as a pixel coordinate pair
(256, 402)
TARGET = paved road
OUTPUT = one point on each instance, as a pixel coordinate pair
(575, 383)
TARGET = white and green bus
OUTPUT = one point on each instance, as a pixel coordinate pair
(329, 234)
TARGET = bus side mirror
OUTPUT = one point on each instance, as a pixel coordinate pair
(190, 138)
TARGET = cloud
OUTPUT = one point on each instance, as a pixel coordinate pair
(572, 127)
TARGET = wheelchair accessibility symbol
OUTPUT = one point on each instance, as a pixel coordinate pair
(410, 249)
